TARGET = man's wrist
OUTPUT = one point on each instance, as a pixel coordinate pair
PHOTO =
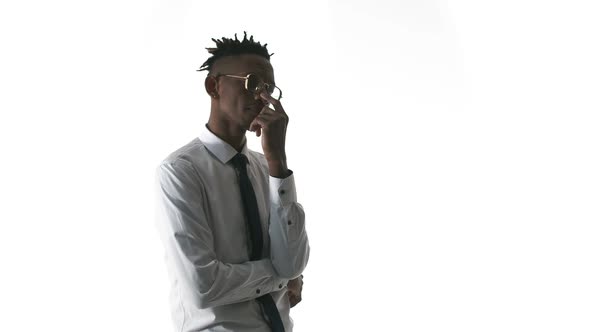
(278, 168)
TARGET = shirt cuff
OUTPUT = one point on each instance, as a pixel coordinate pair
(276, 283)
(280, 284)
(282, 191)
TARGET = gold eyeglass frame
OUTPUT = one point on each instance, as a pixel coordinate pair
(258, 87)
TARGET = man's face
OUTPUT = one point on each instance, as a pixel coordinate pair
(236, 104)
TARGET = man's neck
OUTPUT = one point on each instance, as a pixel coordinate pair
(231, 135)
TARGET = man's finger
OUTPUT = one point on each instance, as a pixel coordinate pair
(261, 121)
(270, 114)
(277, 104)
(264, 119)
(254, 125)
(267, 110)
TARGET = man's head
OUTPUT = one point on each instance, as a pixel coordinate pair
(230, 101)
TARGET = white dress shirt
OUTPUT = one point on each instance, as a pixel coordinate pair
(203, 227)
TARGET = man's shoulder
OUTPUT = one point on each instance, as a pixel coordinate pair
(190, 153)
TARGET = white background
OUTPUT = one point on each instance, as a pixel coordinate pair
(441, 151)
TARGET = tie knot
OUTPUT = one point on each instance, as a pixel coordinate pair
(239, 161)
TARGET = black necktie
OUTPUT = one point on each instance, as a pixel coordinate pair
(253, 217)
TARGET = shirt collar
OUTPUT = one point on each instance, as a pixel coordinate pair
(219, 148)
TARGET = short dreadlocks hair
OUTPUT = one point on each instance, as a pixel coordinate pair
(228, 46)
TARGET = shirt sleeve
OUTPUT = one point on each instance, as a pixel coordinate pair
(188, 242)
(289, 246)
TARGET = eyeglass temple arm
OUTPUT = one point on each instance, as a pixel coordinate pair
(234, 76)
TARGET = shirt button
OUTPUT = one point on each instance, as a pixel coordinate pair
(282, 192)
(258, 291)
(289, 222)
(280, 285)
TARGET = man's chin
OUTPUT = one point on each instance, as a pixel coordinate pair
(245, 125)
(248, 119)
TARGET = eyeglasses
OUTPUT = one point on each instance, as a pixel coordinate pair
(255, 84)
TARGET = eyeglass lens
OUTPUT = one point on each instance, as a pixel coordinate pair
(255, 84)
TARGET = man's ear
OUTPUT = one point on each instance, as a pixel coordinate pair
(211, 86)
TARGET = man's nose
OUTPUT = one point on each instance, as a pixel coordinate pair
(259, 101)
(257, 94)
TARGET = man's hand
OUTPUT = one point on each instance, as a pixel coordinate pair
(294, 289)
(272, 125)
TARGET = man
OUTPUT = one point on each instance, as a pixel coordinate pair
(234, 235)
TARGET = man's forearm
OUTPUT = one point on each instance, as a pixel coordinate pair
(278, 169)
